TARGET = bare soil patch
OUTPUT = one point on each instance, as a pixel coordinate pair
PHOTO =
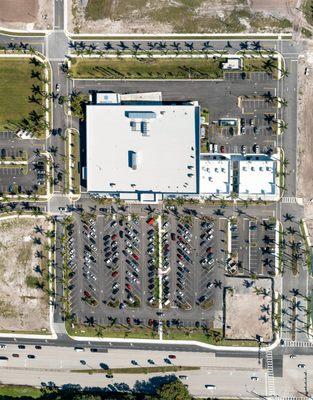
(22, 306)
(176, 16)
(280, 8)
(26, 14)
(247, 313)
(305, 138)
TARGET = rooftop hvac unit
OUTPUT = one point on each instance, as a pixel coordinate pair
(132, 159)
(144, 128)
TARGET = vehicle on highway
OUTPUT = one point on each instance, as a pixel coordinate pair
(31, 356)
(301, 365)
(3, 346)
(292, 356)
(21, 346)
(57, 87)
(254, 378)
(183, 377)
(37, 347)
(209, 386)
(172, 357)
(15, 355)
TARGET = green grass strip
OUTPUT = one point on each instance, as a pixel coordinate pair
(137, 370)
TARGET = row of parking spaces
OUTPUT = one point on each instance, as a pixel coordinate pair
(248, 149)
(194, 259)
(7, 135)
(122, 257)
(11, 152)
(257, 126)
(259, 104)
(12, 171)
(252, 247)
(253, 76)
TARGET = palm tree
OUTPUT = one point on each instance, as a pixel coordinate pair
(244, 45)
(284, 72)
(207, 46)
(269, 118)
(256, 45)
(288, 217)
(269, 65)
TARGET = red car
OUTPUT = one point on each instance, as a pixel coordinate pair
(128, 286)
(15, 355)
(87, 294)
(180, 257)
(135, 256)
(222, 149)
(114, 274)
(114, 237)
(172, 356)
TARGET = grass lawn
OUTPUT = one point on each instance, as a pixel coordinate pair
(307, 9)
(259, 65)
(15, 87)
(116, 331)
(20, 391)
(200, 336)
(132, 68)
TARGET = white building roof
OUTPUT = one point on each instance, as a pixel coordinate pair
(108, 98)
(257, 177)
(142, 148)
(214, 176)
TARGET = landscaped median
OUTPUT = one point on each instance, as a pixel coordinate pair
(72, 162)
(168, 66)
(147, 68)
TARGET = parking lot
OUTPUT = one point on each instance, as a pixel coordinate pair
(22, 166)
(133, 267)
(253, 245)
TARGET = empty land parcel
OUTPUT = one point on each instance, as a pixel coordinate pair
(19, 79)
(23, 271)
(181, 16)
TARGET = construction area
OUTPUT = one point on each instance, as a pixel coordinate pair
(143, 16)
(26, 14)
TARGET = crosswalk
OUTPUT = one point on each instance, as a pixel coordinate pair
(293, 343)
(290, 200)
(270, 374)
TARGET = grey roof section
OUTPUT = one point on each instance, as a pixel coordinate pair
(165, 147)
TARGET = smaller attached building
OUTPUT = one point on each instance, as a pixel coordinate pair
(257, 177)
(214, 175)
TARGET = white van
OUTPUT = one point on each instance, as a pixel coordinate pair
(78, 349)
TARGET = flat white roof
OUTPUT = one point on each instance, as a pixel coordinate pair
(142, 148)
(257, 177)
(214, 176)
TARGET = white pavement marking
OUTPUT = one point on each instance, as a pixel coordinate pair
(270, 374)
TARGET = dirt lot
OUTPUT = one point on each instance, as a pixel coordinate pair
(245, 308)
(305, 138)
(26, 14)
(22, 306)
(164, 16)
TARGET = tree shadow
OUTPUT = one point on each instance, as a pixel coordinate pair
(153, 384)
